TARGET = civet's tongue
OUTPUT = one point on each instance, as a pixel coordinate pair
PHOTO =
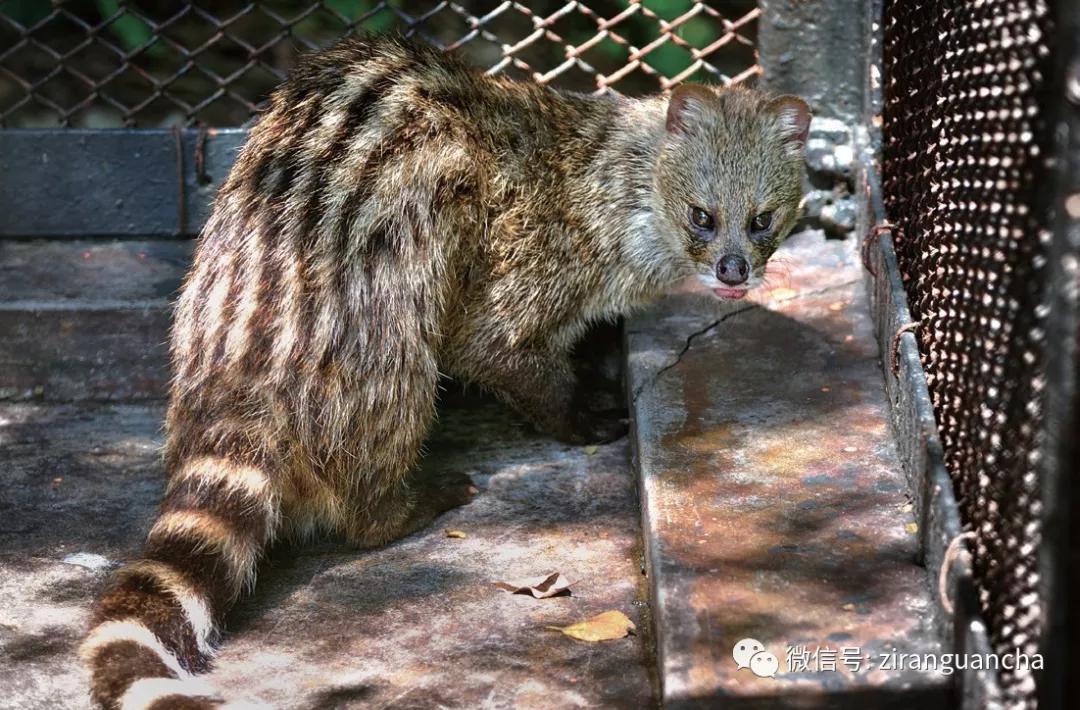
(730, 292)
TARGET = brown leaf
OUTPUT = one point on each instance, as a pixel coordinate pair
(604, 627)
(539, 587)
(456, 533)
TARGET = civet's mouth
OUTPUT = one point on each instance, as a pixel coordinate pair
(723, 291)
(731, 294)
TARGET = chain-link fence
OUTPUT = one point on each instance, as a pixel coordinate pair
(155, 63)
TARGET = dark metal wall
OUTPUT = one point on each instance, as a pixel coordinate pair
(968, 127)
(1060, 464)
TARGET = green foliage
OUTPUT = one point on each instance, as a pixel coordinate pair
(669, 59)
(128, 29)
(26, 12)
(354, 9)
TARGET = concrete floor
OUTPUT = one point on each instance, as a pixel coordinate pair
(418, 624)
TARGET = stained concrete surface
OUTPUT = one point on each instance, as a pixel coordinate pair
(418, 624)
(775, 505)
(88, 319)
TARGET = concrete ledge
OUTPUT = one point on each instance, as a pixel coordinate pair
(774, 505)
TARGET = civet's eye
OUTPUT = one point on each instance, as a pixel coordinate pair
(701, 219)
(761, 223)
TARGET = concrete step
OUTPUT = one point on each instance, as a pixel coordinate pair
(87, 320)
(774, 505)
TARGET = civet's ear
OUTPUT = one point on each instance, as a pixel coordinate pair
(794, 121)
(687, 102)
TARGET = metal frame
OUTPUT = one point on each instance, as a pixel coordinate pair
(913, 417)
(915, 432)
(1059, 570)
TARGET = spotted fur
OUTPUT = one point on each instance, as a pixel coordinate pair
(395, 215)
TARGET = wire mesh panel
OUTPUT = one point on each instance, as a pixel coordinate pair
(966, 136)
(153, 63)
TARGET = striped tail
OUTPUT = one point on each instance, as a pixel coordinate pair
(154, 628)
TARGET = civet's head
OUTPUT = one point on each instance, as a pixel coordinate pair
(729, 181)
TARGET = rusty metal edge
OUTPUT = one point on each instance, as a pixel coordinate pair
(914, 428)
(912, 420)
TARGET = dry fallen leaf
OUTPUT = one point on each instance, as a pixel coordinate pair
(604, 627)
(780, 294)
(838, 306)
(848, 607)
(906, 508)
(456, 533)
(590, 450)
(912, 527)
(540, 587)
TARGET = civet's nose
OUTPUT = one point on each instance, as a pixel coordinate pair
(732, 270)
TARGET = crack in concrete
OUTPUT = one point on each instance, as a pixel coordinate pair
(726, 316)
(690, 342)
